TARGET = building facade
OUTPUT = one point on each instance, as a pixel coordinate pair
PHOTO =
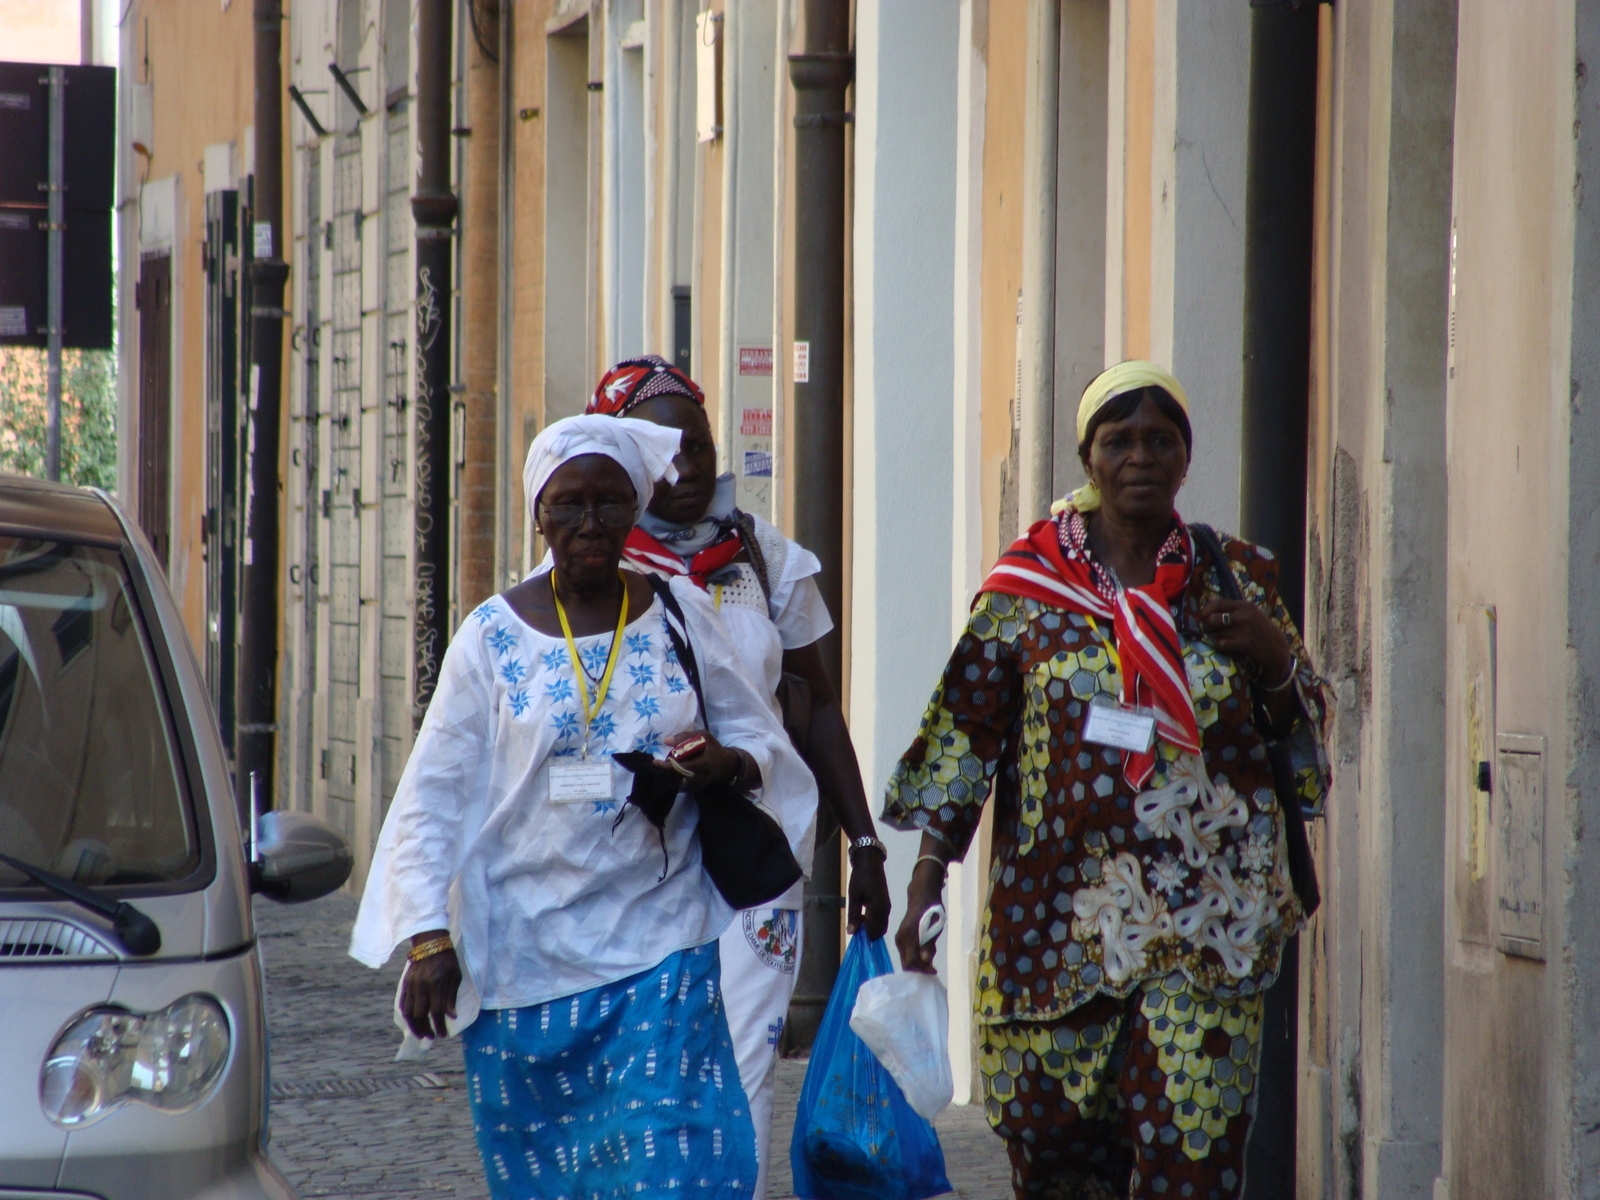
(1034, 189)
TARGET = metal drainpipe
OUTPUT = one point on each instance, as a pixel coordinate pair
(1280, 195)
(433, 207)
(820, 68)
(256, 694)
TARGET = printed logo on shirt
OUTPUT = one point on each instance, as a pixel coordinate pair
(773, 934)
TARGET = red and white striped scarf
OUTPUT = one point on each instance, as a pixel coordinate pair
(1052, 564)
(651, 554)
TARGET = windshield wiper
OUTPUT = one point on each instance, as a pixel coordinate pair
(136, 931)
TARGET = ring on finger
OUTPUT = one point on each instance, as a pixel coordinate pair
(1227, 619)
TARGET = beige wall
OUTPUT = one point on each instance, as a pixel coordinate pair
(198, 60)
(1001, 274)
(1508, 424)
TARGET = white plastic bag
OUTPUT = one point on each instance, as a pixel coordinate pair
(415, 1049)
(904, 1019)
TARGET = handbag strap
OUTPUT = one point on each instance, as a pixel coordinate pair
(1228, 585)
(680, 640)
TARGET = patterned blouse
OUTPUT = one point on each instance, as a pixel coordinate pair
(1095, 888)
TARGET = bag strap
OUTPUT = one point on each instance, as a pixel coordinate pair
(1228, 584)
(680, 641)
(1227, 581)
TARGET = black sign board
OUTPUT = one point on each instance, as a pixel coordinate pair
(89, 169)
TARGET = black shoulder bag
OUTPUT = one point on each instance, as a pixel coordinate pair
(1302, 867)
(744, 850)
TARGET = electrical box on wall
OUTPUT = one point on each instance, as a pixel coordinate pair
(1519, 914)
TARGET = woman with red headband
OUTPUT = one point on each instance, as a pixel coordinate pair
(763, 585)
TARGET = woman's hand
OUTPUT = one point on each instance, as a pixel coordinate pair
(1240, 629)
(706, 761)
(868, 902)
(429, 994)
(926, 889)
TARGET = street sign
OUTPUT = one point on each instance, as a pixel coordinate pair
(88, 178)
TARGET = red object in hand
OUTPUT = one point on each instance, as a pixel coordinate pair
(688, 748)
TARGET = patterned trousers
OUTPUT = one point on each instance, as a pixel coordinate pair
(1148, 1096)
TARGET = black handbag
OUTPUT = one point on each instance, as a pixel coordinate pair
(744, 850)
(1302, 867)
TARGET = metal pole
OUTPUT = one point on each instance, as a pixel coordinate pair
(1280, 198)
(257, 687)
(53, 268)
(820, 67)
(433, 208)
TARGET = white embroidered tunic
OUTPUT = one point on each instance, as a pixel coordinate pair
(548, 899)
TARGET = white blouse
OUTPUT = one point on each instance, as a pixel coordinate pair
(761, 628)
(547, 899)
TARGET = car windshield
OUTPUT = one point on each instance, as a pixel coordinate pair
(88, 783)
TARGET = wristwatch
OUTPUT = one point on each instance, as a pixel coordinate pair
(869, 843)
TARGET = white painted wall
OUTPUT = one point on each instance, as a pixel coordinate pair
(905, 254)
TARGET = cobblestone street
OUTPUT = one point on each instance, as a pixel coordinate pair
(347, 1120)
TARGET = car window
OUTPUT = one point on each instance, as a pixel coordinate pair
(89, 786)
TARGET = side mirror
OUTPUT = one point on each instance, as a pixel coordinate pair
(298, 857)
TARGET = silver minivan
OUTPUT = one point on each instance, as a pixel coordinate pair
(133, 1058)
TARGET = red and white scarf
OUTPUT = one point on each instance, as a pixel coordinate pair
(647, 552)
(1052, 565)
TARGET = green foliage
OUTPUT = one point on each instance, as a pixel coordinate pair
(88, 414)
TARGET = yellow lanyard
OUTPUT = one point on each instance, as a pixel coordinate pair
(1116, 659)
(604, 686)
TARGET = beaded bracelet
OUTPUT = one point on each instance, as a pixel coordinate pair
(429, 948)
(944, 867)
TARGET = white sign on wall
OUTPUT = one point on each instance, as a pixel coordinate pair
(707, 29)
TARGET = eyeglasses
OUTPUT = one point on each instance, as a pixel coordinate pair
(571, 516)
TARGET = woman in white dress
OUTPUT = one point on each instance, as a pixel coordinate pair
(601, 1063)
(763, 587)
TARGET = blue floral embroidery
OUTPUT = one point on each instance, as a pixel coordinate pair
(594, 657)
(642, 673)
(604, 806)
(564, 752)
(649, 742)
(555, 660)
(647, 707)
(558, 691)
(502, 640)
(676, 685)
(513, 671)
(603, 726)
(566, 724)
(518, 701)
(484, 611)
(638, 643)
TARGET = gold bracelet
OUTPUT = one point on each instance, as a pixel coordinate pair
(428, 949)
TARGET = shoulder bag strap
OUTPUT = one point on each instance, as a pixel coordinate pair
(680, 641)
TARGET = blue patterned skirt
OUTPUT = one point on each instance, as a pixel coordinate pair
(627, 1090)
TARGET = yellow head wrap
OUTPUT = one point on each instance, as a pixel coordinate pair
(1125, 377)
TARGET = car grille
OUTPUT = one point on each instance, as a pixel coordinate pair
(49, 940)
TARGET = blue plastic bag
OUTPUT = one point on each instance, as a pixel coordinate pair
(856, 1137)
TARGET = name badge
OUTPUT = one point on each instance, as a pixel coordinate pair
(1118, 725)
(578, 780)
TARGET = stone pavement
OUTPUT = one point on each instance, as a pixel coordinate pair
(349, 1121)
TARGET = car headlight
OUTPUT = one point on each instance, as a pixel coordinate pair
(105, 1057)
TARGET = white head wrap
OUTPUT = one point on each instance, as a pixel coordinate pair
(643, 450)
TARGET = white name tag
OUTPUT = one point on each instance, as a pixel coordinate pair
(577, 780)
(1120, 726)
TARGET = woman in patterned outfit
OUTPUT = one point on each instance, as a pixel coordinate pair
(764, 588)
(1140, 894)
(601, 1064)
